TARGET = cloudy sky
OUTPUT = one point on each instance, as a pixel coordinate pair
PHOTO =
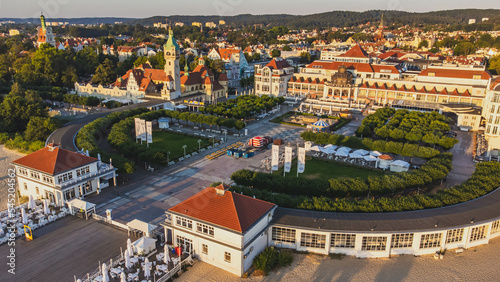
(148, 8)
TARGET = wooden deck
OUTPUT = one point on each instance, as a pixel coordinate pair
(70, 246)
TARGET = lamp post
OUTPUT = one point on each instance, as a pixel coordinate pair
(168, 153)
(184, 147)
(225, 138)
(199, 145)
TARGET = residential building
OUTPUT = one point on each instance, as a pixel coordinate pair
(272, 78)
(222, 228)
(210, 25)
(235, 63)
(61, 175)
(14, 32)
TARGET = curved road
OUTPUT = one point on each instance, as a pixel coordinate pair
(65, 135)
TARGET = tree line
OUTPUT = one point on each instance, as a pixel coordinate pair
(243, 106)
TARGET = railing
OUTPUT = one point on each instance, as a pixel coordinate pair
(177, 268)
(98, 272)
(85, 177)
(112, 222)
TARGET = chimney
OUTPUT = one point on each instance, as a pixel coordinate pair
(219, 190)
(52, 146)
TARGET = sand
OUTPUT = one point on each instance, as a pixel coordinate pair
(6, 156)
(475, 264)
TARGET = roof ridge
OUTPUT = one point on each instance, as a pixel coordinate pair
(236, 211)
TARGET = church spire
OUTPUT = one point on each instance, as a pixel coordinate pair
(42, 20)
(382, 21)
(186, 69)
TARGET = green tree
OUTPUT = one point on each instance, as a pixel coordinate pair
(494, 64)
(275, 53)
(464, 48)
(39, 128)
(397, 134)
(105, 73)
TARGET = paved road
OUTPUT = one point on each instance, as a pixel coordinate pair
(463, 165)
(64, 135)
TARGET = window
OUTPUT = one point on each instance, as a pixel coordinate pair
(185, 243)
(65, 177)
(25, 186)
(402, 240)
(488, 129)
(454, 235)
(184, 222)
(495, 130)
(227, 257)
(37, 191)
(495, 227)
(492, 110)
(35, 175)
(69, 194)
(47, 178)
(432, 74)
(371, 243)
(312, 240)
(82, 171)
(22, 171)
(476, 76)
(478, 233)
(432, 240)
(205, 229)
(283, 235)
(204, 249)
(343, 240)
(490, 119)
(497, 120)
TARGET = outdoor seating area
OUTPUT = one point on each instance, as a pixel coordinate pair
(223, 151)
(360, 157)
(35, 214)
(138, 264)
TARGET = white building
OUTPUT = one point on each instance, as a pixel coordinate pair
(61, 175)
(222, 228)
(235, 63)
(272, 79)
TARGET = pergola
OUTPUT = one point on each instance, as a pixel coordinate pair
(145, 227)
(80, 205)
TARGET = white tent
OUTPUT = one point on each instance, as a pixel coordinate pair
(399, 166)
(370, 158)
(144, 245)
(145, 227)
(375, 153)
(331, 146)
(317, 148)
(329, 150)
(31, 203)
(362, 152)
(80, 205)
(341, 153)
(355, 156)
(180, 107)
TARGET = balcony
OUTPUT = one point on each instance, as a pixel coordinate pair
(103, 170)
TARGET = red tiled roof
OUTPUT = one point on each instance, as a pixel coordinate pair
(360, 67)
(223, 77)
(355, 52)
(456, 73)
(278, 64)
(55, 161)
(231, 210)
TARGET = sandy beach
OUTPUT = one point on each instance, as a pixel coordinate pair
(6, 156)
(475, 264)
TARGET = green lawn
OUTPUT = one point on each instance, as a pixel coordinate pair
(326, 170)
(168, 141)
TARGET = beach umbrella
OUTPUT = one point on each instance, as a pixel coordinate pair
(147, 271)
(166, 258)
(46, 209)
(105, 277)
(129, 247)
(31, 203)
(128, 265)
(123, 277)
(23, 215)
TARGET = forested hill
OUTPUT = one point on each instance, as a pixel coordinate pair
(338, 18)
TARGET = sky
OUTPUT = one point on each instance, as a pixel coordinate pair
(148, 8)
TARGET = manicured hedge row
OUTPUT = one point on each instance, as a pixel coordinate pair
(403, 149)
(485, 179)
(432, 171)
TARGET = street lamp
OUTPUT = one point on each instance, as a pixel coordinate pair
(184, 147)
(199, 145)
(225, 139)
(168, 153)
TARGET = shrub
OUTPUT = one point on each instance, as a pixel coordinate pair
(285, 258)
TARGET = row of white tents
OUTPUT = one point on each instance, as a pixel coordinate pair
(383, 161)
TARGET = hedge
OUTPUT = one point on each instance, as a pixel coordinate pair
(398, 148)
(432, 171)
(485, 179)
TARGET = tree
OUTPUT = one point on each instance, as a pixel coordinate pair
(423, 44)
(286, 48)
(275, 53)
(184, 116)
(383, 132)
(397, 134)
(105, 73)
(39, 128)
(464, 48)
(494, 64)
(140, 61)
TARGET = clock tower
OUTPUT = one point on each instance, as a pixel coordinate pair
(171, 52)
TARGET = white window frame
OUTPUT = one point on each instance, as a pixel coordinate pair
(402, 240)
(374, 243)
(285, 235)
(227, 257)
(343, 240)
(431, 240)
(205, 229)
(312, 240)
(184, 222)
(454, 236)
(478, 233)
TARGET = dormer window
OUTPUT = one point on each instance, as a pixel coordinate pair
(432, 74)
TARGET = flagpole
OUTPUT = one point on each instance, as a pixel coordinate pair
(298, 159)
